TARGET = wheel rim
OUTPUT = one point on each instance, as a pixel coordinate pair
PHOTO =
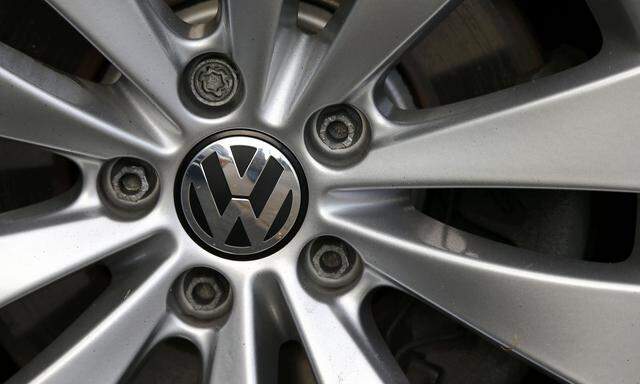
(571, 131)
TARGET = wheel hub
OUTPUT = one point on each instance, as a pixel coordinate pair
(241, 195)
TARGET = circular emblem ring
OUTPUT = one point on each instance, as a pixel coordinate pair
(214, 82)
(241, 196)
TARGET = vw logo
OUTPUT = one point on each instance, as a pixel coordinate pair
(241, 196)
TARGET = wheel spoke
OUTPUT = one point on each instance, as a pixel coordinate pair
(49, 109)
(361, 44)
(138, 38)
(232, 362)
(247, 345)
(251, 28)
(41, 247)
(573, 130)
(616, 19)
(107, 339)
(173, 326)
(339, 346)
(543, 308)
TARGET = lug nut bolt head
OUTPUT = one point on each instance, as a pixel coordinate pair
(130, 183)
(331, 262)
(338, 131)
(129, 186)
(338, 135)
(203, 294)
(213, 82)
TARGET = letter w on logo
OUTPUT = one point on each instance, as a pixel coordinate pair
(221, 220)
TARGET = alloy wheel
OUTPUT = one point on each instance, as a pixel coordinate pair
(575, 131)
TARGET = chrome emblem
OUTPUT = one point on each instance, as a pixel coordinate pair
(240, 195)
(214, 82)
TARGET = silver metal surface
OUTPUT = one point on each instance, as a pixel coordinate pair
(577, 129)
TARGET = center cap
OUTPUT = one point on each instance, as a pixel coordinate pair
(241, 195)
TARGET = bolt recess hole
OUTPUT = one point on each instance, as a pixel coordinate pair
(129, 185)
(331, 262)
(203, 294)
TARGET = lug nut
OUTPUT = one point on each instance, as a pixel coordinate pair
(338, 135)
(213, 81)
(130, 183)
(331, 262)
(340, 131)
(339, 127)
(204, 294)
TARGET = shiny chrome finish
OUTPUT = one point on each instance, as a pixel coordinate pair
(257, 218)
(577, 129)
